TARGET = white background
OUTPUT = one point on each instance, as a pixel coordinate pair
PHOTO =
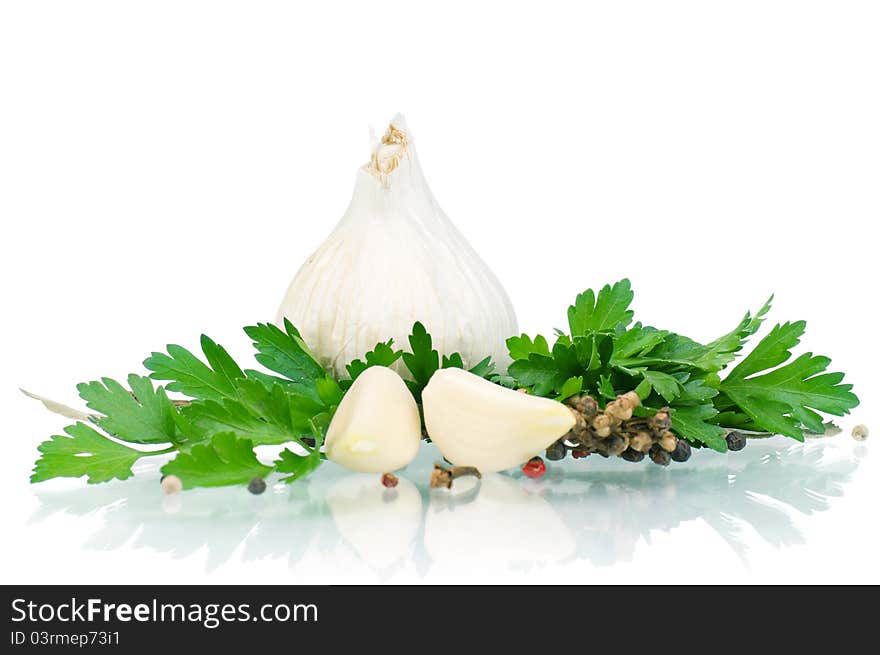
(165, 167)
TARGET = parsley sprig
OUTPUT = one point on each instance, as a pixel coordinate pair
(606, 354)
(228, 411)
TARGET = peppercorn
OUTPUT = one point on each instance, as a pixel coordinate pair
(668, 441)
(659, 456)
(631, 455)
(171, 484)
(579, 454)
(601, 448)
(534, 468)
(860, 432)
(556, 451)
(660, 421)
(631, 399)
(735, 441)
(682, 452)
(641, 441)
(617, 411)
(580, 424)
(602, 426)
(389, 480)
(616, 445)
(589, 407)
(584, 405)
(257, 486)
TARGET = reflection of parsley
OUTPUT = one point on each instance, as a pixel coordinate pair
(606, 354)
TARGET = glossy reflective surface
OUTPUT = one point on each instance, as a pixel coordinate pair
(338, 526)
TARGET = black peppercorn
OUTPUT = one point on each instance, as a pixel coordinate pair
(735, 441)
(682, 452)
(631, 455)
(659, 456)
(257, 486)
(556, 451)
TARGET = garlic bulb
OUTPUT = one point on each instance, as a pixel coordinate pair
(394, 259)
(376, 427)
(475, 422)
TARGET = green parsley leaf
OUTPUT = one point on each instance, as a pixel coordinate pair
(605, 311)
(664, 384)
(586, 357)
(696, 392)
(329, 392)
(692, 424)
(382, 355)
(606, 388)
(143, 415)
(485, 368)
(298, 466)
(632, 344)
(423, 361)
(506, 381)
(264, 415)
(674, 353)
(571, 387)
(783, 400)
(285, 352)
(84, 452)
(522, 346)
(538, 372)
(189, 375)
(722, 351)
(225, 459)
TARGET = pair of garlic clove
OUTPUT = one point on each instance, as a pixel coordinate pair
(472, 421)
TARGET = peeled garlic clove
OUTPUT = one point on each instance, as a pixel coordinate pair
(475, 422)
(376, 427)
(394, 259)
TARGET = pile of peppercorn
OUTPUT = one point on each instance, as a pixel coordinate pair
(615, 432)
(610, 432)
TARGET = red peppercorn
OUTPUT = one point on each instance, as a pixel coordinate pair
(578, 454)
(389, 480)
(534, 468)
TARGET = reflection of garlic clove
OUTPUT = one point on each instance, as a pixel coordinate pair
(475, 422)
(380, 524)
(501, 525)
(376, 427)
(394, 259)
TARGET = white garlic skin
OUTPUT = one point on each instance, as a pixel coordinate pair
(376, 427)
(478, 423)
(394, 259)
